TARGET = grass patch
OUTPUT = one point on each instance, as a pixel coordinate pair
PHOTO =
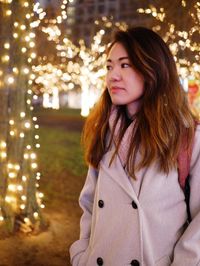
(60, 157)
(66, 112)
(60, 151)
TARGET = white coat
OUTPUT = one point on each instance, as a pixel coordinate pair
(123, 226)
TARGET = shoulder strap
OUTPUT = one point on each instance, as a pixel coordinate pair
(184, 158)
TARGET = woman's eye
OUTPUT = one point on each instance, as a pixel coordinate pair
(108, 67)
(125, 65)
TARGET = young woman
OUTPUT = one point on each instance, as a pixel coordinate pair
(134, 210)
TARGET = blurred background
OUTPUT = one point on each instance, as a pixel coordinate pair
(52, 68)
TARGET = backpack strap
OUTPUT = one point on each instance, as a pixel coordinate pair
(184, 158)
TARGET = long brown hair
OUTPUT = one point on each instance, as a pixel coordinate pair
(164, 117)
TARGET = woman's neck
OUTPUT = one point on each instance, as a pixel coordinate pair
(132, 108)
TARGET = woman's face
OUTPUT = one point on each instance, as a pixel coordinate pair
(125, 85)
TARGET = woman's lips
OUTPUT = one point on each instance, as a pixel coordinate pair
(116, 89)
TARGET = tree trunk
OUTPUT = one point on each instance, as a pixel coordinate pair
(20, 203)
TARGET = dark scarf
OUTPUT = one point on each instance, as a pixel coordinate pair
(125, 142)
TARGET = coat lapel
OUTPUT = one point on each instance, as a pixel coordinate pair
(117, 173)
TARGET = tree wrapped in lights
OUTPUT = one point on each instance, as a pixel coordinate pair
(178, 23)
(88, 70)
(80, 67)
(20, 201)
(49, 80)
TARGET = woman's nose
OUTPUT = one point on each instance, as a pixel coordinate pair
(115, 74)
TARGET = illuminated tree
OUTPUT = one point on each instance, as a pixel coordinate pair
(178, 23)
(78, 67)
(20, 202)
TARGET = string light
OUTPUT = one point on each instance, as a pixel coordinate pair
(36, 214)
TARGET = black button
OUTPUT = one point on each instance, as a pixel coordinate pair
(134, 205)
(101, 204)
(135, 263)
(99, 261)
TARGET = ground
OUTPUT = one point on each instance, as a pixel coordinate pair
(50, 248)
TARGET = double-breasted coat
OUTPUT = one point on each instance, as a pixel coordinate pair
(127, 222)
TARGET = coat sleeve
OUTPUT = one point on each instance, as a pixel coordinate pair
(187, 249)
(86, 203)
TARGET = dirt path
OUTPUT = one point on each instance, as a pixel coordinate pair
(49, 248)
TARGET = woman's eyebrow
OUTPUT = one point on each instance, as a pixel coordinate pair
(120, 59)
